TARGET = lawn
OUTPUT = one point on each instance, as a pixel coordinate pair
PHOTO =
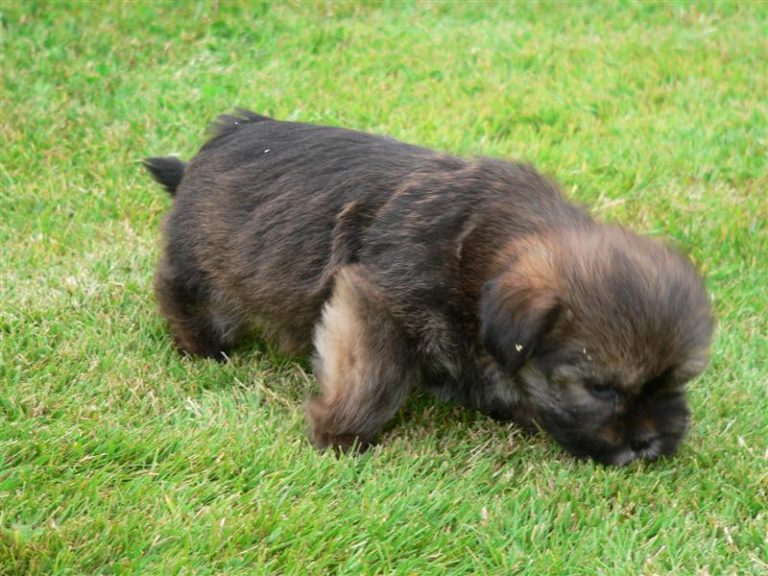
(119, 456)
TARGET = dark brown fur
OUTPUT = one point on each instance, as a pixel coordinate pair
(405, 268)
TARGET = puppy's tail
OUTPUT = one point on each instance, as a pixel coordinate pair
(167, 170)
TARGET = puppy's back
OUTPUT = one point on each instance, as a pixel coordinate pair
(254, 215)
(268, 210)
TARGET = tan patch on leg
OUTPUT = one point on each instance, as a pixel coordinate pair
(362, 364)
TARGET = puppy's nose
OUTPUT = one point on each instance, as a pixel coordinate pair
(641, 443)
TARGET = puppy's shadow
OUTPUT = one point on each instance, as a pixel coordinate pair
(426, 424)
(252, 363)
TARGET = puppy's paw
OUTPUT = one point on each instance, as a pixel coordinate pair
(324, 434)
(201, 349)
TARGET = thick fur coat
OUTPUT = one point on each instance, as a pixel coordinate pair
(399, 267)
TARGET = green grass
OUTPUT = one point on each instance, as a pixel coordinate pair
(119, 456)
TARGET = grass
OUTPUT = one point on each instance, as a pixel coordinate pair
(118, 456)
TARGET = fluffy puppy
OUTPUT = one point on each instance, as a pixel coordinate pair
(405, 268)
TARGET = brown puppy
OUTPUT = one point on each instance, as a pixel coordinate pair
(408, 268)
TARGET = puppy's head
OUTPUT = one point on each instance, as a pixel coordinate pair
(601, 329)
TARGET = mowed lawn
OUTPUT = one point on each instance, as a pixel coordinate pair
(119, 456)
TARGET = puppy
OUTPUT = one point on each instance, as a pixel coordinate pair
(405, 268)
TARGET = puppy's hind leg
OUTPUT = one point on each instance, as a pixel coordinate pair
(201, 324)
(363, 364)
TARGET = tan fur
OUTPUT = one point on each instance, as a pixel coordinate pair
(361, 365)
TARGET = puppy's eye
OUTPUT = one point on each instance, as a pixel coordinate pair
(603, 390)
(658, 384)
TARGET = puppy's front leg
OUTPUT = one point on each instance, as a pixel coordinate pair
(362, 362)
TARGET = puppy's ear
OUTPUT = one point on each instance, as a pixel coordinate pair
(515, 316)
